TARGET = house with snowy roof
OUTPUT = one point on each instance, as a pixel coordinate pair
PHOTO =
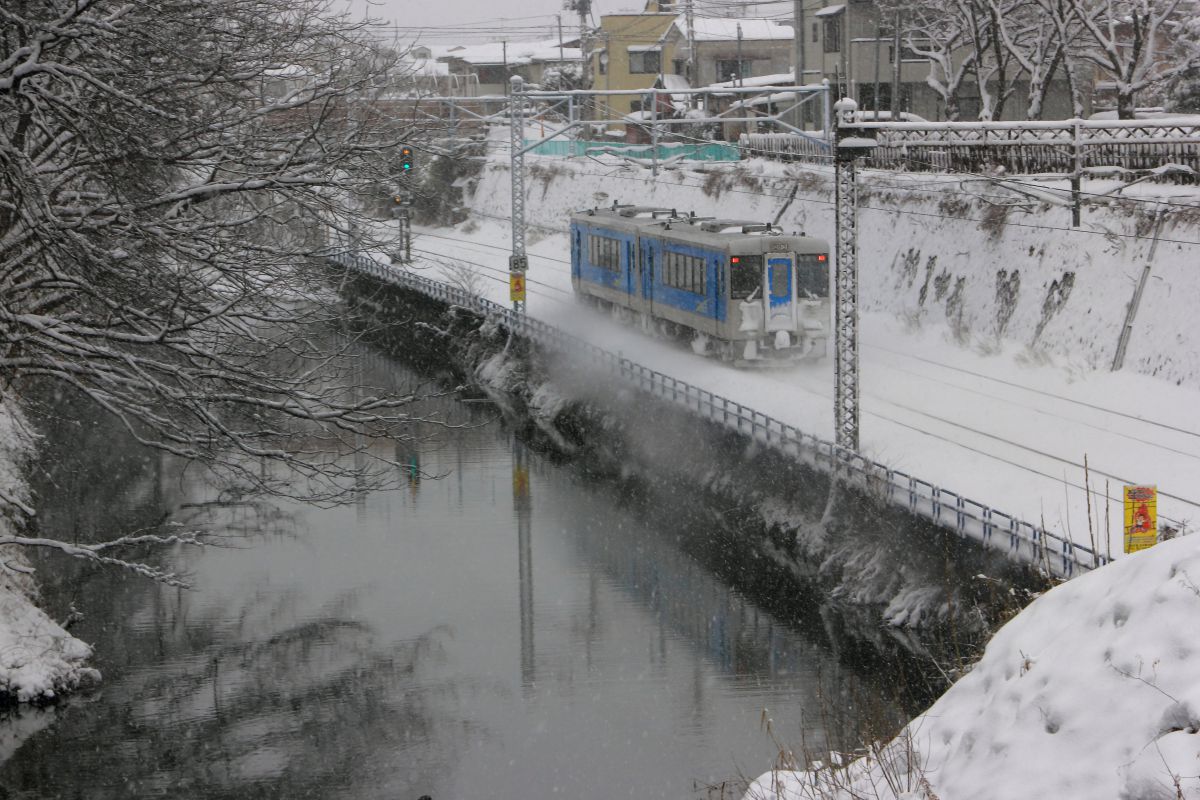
(487, 68)
(638, 52)
(729, 49)
(628, 56)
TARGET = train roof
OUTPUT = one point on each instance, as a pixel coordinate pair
(736, 234)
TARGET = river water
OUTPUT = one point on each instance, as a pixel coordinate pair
(500, 626)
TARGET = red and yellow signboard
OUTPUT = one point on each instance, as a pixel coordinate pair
(516, 287)
(1141, 517)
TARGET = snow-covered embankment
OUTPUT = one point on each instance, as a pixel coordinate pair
(1092, 691)
(38, 659)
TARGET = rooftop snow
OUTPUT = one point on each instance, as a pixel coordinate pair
(515, 53)
(725, 29)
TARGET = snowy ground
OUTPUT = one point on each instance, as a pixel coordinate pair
(997, 427)
(1093, 691)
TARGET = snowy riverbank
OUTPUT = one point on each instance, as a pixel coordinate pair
(1092, 691)
(38, 659)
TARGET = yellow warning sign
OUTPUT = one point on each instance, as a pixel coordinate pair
(1141, 517)
(516, 287)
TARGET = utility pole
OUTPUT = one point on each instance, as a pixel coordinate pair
(896, 68)
(584, 8)
(739, 55)
(798, 42)
(518, 262)
(878, 52)
(844, 31)
(504, 55)
(690, 69)
(561, 64)
(852, 143)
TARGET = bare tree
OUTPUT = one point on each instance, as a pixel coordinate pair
(1029, 35)
(1138, 43)
(939, 31)
(996, 68)
(168, 172)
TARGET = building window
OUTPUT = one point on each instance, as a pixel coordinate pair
(644, 61)
(604, 253)
(866, 97)
(684, 272)
(635, 106)
(730, 69)
(492, 74)
(816, 32)
(833, 34)
(680, 66)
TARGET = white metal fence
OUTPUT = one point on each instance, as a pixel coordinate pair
(971, 519)
(1063, 147)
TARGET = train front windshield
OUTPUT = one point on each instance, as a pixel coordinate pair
(745, 276)
(812, 276)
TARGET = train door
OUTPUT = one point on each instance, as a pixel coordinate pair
(781, 308)
(650, 253)
(630, 268)
(576, 251)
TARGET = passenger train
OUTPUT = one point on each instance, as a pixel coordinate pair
(741, 291)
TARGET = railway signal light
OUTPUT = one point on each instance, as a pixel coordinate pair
(406, 160)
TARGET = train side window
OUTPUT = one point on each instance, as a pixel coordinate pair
(745, 276)
(684, 272)
(604, 252)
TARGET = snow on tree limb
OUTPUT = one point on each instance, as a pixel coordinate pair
(167, 175)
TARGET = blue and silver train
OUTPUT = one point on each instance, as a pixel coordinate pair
(741, 291)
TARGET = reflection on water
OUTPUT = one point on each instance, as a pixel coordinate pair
(507, 630)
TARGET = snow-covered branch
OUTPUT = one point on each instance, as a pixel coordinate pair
(167, 173)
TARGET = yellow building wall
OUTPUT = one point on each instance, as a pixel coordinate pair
(617, 33)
